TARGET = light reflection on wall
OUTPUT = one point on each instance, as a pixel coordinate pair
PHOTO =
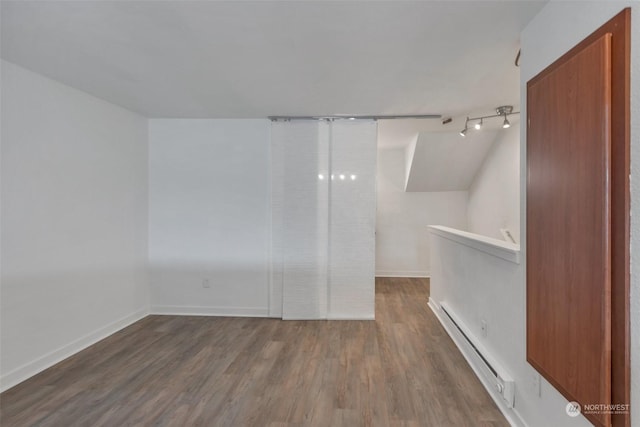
(342, 176)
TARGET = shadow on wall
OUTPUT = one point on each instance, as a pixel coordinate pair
(494, 195)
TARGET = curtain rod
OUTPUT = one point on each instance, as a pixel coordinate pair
(357, 117)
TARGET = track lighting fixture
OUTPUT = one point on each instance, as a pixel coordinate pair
(505, 110)
(502, 111)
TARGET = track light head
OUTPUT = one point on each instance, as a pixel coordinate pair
(478, 125)
(505, 110)
(463, 132)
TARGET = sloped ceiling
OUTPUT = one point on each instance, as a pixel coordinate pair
(437, 157)
(240, 59)
(444, 161)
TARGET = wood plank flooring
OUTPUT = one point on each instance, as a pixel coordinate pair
(401, 370)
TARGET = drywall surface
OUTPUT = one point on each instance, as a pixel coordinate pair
(494, 195)
(402, 238)
(446, 161)
(209, 216)
(556, 29)
(480, 287)
(477, 277)
(74, 215)
(221, 59)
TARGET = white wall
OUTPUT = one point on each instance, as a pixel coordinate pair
(556, 29)
(209, 216)
(402, 239)
(477, 286)
(494, 195)
(74, 214)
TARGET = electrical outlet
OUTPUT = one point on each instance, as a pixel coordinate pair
(483, 328)
(206, 283)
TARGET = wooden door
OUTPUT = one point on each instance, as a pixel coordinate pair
(569, 225)
(561, 136)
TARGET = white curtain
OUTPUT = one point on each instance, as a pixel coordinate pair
(323, 219)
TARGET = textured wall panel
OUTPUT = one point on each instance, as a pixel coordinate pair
(301, 200)
(352, 220)
(323, 219)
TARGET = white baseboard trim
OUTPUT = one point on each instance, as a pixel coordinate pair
(38, 365)
(184, 310)
(510, 414)
(388, 273)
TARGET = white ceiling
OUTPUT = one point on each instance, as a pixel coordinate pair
(254, 59)
(445, 161)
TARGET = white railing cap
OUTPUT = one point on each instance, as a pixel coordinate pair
(499, 248)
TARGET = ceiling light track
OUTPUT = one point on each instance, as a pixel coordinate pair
(502, 111)
(357, 117)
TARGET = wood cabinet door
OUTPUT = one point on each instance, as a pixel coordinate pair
(569, 225)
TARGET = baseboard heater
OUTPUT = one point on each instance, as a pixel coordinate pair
(490, 370)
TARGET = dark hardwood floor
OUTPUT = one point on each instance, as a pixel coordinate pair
(401, 370)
